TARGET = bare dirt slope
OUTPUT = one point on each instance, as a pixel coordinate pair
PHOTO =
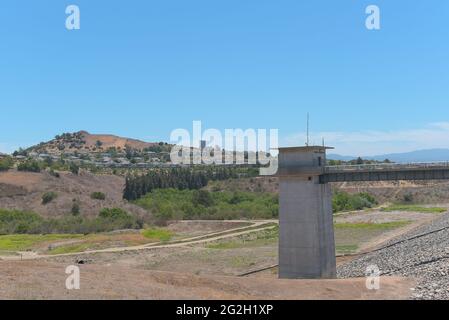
(44, 280)
(112, 141)
(24, 190)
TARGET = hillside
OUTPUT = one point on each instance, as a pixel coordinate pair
(24, 191)
(84, 142)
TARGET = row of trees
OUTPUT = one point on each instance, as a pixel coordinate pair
(358, 161)
(31, 165)
(178, 178)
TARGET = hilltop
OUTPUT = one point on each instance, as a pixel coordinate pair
(99, 150)
(84, 142)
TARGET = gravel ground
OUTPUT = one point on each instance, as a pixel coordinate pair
(425, 258)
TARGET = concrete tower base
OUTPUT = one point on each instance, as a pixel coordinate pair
(306, 243)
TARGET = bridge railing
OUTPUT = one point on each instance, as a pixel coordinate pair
(387, 166)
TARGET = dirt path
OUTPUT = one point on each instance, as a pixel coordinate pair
(211, 237)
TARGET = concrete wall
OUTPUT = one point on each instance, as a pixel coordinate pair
(306, 244)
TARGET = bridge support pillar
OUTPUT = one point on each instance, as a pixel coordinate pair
(306, 242)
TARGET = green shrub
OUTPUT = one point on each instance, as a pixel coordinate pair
(408, 198)
(116, 218)
(49, 197)
(114, 213)
(6, 163)
(343, 201)
(74, 168)
(30, 166)
(76, 207)
(98, 196)
(202, 198)
(54, 173)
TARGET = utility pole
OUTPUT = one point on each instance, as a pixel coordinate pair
(308, 120)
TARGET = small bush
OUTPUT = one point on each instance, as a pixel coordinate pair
(76, 207)
(74, 168)
(116, 218)
(113, 214)
(98, 196)
(49, 197)
(408, 198)
(54, 173)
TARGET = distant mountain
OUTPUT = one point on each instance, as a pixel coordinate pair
(430, 155)
(339, 157)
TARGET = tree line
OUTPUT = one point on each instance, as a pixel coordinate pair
(180, 178)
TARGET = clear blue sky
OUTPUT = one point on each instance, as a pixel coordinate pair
(141, 68)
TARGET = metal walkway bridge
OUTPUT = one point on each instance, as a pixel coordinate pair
(386, 172)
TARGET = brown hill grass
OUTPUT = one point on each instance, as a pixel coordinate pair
(24, 190)
(112, 141)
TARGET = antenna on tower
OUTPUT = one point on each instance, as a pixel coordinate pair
(308, 122)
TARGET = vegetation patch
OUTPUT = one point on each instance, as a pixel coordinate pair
(350, 236)
(158, 234)
(30, 166)
(347, 249)
(98, 196)
(14, 221)
(6, 163)
(343, 201)
(138, 186)
(23, 242)
(49, 197)
(109, 219)
(372, 226)
(413, 208)
(173, 204)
